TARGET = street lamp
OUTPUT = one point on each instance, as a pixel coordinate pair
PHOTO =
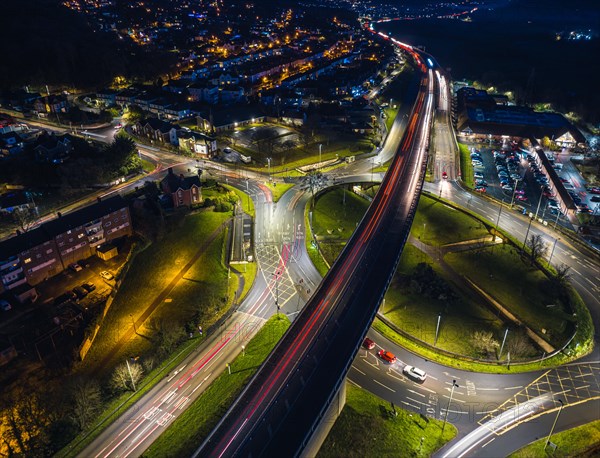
(320, 147)
(514, 191)
(540, 202)
(527, 233)
(454, 385)
(554, 424)
(243, 350)
(552, 252)
(269, 163)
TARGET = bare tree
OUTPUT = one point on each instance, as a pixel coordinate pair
(86, 401)
(166, 333)
(537, 246)
(562, 274)
(484, 342)
(126, 376)
(25, 218)
(519, 345)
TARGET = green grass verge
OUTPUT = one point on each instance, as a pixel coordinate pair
(311, 246)
(582, 442)
(438, 224)
(368, 427)
(245, 199)
(522, 289)
(390, 115)
(466, 168)
(148, 166)
(279, 189)
(150, 272)
(249, 271)
(189, 430)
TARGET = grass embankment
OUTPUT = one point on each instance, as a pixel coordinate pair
(438, 224)
(245, 200)
(583, 442)
(466, 168)
(189, 430)
(521, 288)
(368, 427)
(334, 221)
(151, 272)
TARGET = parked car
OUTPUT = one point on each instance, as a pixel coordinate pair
(80, 292)
(5, 305)
(481, 189)
(75, 267)
(107, 275)
(595, 198)
(65, 297)
(368, 344)
(387, 356)
(89, 287)
(521, 198)
(414, 373)
(594, 190)
(444, 175)
(478, 175)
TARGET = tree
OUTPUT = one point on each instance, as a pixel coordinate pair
(537, 247)
(126, 376)
(24, 218)
(86, 401)
(484, 342)
(562, 274)
(167, 334)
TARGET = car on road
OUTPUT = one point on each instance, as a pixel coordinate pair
(444, 175)
(107, 275)
(118, 126)
(75, 267)
(387, 356)
(415, 373)
(368, 344)
(89, 287)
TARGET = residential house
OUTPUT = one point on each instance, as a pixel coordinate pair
(157, 130)
(53, 148)
(11, 143)
(203, 91)
(231, 94)
(107, 97)
(197, 143)
(51, 104)
(185, 191)
(232, 117)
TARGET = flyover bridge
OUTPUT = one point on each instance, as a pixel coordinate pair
(284, 403)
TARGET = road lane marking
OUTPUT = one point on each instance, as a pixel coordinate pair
(414, 400)
(513, 387)
(488, 389)
(415, 392)
(454, 399)
(489, 442)
(358, 370)
(378, 382)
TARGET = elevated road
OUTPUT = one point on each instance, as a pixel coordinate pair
(284, 402)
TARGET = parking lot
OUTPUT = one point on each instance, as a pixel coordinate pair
(508, 173)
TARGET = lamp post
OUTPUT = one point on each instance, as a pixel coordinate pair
(454, 385)
(528, 227)
(514, 191)
(269, 163)
(243, 350)
(539, 203)
(552, 252)
(554, 424)
(503, 342)
(320, 147)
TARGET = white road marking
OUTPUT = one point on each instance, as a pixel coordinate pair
(377, 381)
(415, 392)
(488, 389)
(358, 370)
(513, 387)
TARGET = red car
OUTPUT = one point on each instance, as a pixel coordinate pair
(444, 175)
(368, 344)
(521, 198)
(387, 356)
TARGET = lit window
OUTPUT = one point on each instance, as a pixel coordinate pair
(27, 261)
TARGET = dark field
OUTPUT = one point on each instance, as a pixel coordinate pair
(515, 49)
